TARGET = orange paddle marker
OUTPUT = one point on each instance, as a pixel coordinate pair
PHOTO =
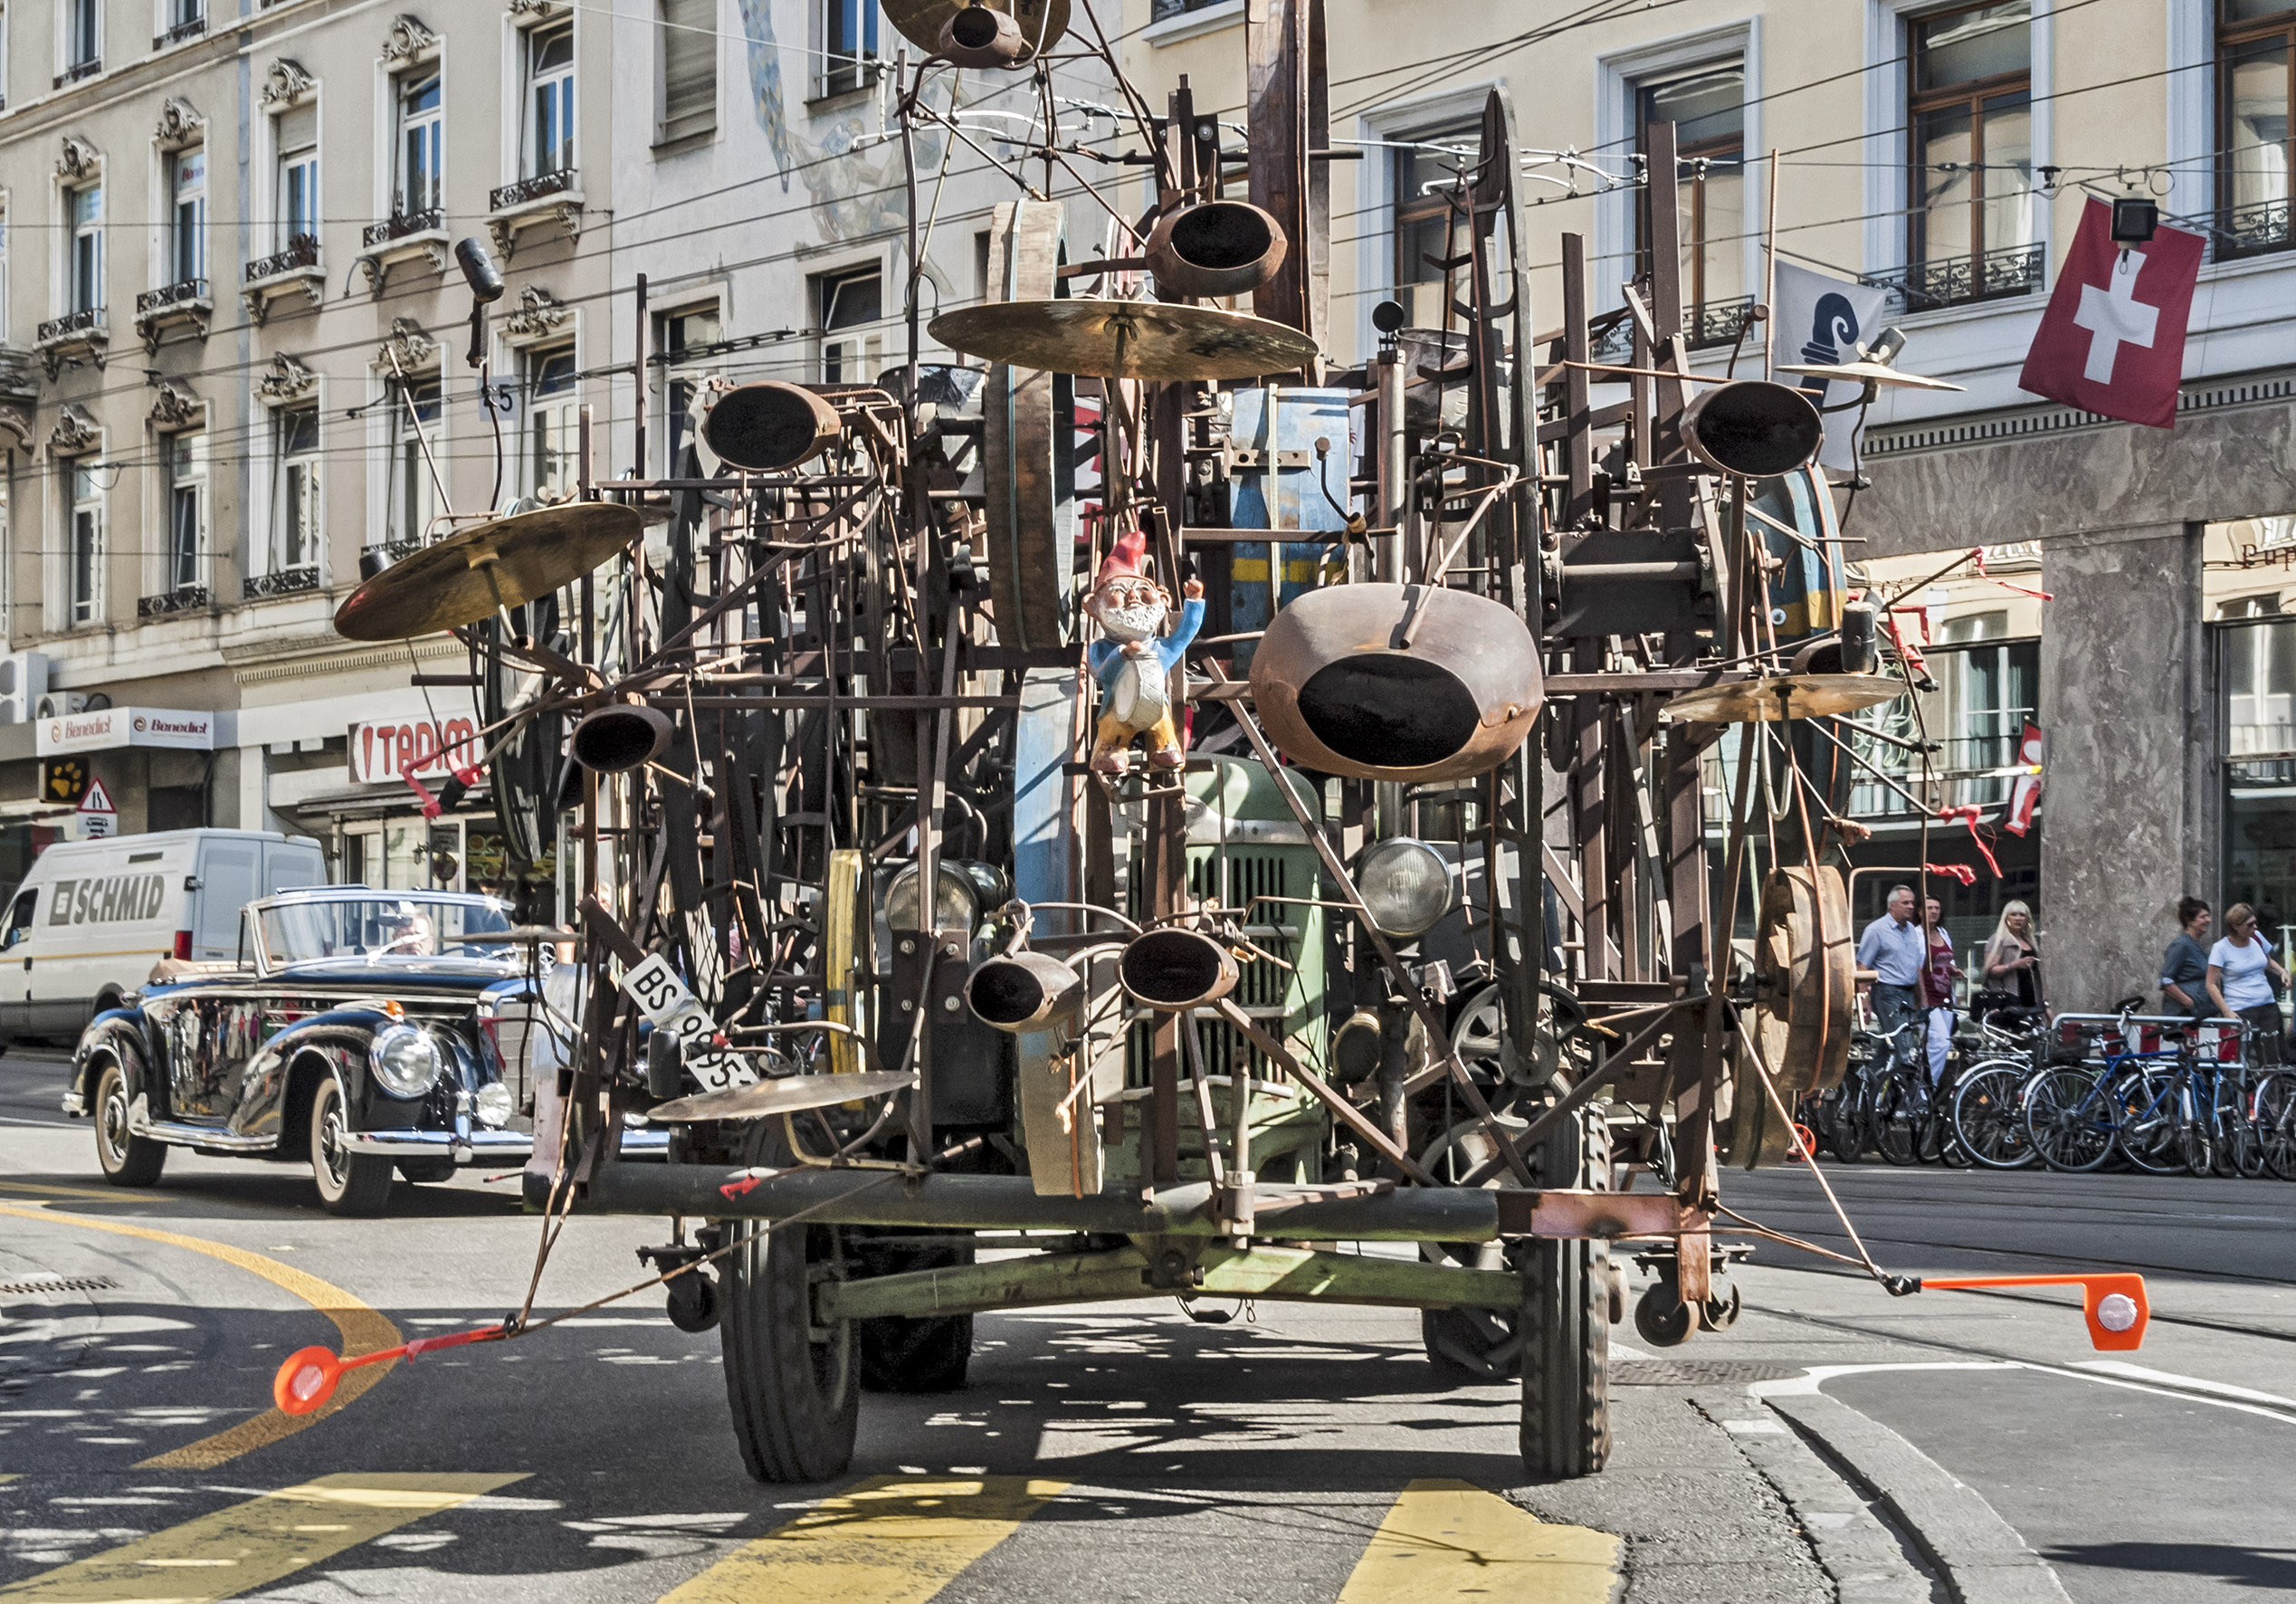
(2112, 1301)
(307, 1380)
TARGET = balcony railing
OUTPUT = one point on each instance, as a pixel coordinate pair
(1717, 323)
(399, 225)
(80, 70)
(283, 582)
(88, 323)
(303, 250)
(1956, 280)
(527, 189)
(181, 294)
(184, 599)
(182, 33)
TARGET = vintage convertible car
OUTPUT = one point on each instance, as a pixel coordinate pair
(363, 1030)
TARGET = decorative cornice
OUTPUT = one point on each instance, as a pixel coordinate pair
(287, 84)
(176, 407)
(408, 42)
(540, 313)
(539, 10)
(76, 432)
(287, 380)
(180, 123)
(269, 652)
(17, 421)
(80, 159)
(407, 343)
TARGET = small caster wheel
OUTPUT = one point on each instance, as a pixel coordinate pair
(1661, 1318)
(693, 1302)
(1722, 1309)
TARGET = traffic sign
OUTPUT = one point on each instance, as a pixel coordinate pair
(96, 812)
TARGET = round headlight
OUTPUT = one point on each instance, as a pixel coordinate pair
(954, 909)
(1405, 883)
(494, 1105)
(405, 1060)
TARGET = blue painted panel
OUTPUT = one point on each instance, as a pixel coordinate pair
(1284, 498)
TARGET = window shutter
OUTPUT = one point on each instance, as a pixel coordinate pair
(689, 68)
(298, 128)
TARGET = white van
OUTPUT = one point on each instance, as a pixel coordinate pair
(92, 917)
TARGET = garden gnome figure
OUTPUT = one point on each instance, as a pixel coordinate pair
(1133, 659)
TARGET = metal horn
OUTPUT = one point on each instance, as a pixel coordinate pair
(614, 739)
(1396, 681)
(1173, 970)
(1752, 427)
(770, 425)
(978, 37)
(1217, 248)
(1025, 991)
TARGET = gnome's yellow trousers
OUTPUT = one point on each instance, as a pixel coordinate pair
(1112, 737)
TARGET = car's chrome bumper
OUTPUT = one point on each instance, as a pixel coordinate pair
(477, 1146)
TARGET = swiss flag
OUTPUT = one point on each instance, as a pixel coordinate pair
(2024, 795)
(2112, 340)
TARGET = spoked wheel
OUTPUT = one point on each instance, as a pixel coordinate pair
(2272, 1110)
(127, 1160)
(348, 1183)
(2150, 1128)
(1988, 1116)
(898, 1354)
(2068, 1120)
(794, 1386)
(1566, 1323)
(1894, 1119)
(2239, 1155)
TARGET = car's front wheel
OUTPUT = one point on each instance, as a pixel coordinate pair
(350, 1183)
(128, 1160)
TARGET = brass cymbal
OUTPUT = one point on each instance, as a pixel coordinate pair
(1785, 696)
(1866, 373)
(792, 1095)
(1146, 339)
(1041, 22)
(447, 585)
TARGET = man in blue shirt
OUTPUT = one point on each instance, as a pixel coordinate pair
(1894, 948)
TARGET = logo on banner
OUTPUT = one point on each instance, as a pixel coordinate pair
(394, 751)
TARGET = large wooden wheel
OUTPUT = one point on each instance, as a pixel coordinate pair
(1028, 445)
(1805, 979)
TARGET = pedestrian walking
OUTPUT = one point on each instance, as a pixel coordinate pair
(2241, 976)
(2012, 960)
(1938, 973)
(2184, 967)
(1891, 948)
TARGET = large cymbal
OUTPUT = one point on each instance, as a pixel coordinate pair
(1041, 22)
(1866, 373)
(1785, 696)
(1146, 340)
(792, 1095)
(447, 585)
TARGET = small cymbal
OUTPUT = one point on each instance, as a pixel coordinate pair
(1785, 696)
(790, 1095)
(1866, 373)
(505, 561)
(518, 935)
(1144, 339)
(1041, 22)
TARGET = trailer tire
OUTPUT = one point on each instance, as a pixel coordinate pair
(904, 1354)
(1565, 1322)
(792, 1388)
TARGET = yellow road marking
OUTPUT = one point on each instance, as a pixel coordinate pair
(887, 1541)
(363, 1331)
(41, 1189)
(252, 1544)
(1446, 1539)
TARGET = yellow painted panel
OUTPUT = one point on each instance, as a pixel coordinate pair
(1446, 1539)
(252, 1544)
(888, 1541)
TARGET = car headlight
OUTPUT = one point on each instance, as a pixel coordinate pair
(1405, 883)
(494, 1105)
(405, 1060)
(955, 908)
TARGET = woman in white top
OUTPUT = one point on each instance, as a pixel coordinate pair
(2241, 972)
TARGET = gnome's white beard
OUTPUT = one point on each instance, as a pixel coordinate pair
(1131, 623)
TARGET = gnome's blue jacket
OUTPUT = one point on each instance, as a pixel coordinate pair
(1106, 658)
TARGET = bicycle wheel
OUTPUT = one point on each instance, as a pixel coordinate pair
(1894, 1119)
(2239, 1154)
(2273, 1115)
(1988, 1115)
(2149, 1123)
(2068, 1120)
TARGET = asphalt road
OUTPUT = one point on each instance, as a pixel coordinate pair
(1119, 1451)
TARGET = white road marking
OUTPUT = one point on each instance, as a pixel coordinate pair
(2193, 1383)
(2191, 1390)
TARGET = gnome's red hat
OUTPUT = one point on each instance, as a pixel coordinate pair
(1126, 559)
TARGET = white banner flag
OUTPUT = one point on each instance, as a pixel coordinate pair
(1815, 317)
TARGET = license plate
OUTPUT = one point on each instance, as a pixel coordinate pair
(668, 1005)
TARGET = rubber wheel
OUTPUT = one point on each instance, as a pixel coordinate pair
(899, 1354)
(354, 1184)
(424, 1171)
(792, 1386)
(1471, 1347)
(1661, 1317)
(1722, 1312)
(1565, 1322)
(127, 1160)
